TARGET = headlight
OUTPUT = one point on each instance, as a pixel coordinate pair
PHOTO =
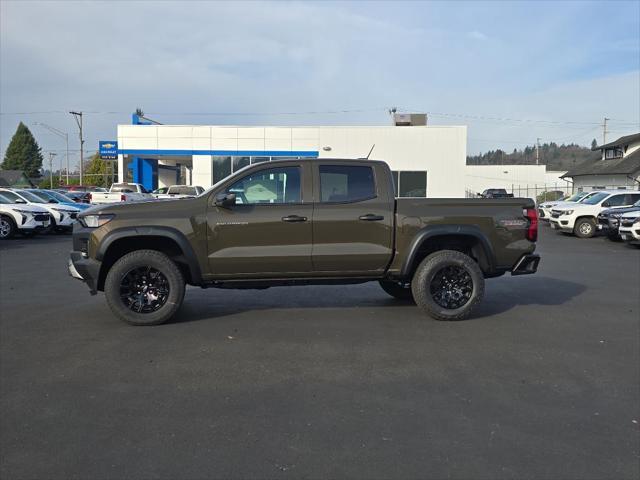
(95, 221)
(567, 212)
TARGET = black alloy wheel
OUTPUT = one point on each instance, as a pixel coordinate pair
(144, 289)
(451, 287)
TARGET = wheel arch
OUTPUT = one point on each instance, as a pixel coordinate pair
(467, 239)
(167, 240)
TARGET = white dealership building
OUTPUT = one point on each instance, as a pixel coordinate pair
(426, 160)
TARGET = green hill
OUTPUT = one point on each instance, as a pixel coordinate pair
(554, 156)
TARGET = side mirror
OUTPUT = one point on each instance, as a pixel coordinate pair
(225, 200)
(19, 200)
(606, 204)
(53, 201)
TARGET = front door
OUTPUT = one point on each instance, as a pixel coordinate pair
(268, 232)
(352, 221)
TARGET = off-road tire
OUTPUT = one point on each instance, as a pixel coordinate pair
(397, 290)
(584, 228)
(7, 227)
(144, 258)
(432, 266)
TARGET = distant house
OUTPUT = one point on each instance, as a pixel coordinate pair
(15, 179)
(619, 167)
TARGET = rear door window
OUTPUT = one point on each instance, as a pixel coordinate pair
(346, 183)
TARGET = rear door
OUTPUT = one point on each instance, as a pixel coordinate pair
(268, 232)
(352, 218)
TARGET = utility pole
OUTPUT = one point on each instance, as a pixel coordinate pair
(604, 130)
(538, 151)
(62, 134)
(78, 118)
(51, 155)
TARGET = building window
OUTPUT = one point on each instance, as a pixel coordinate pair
(259, 159)
(240, 162)
(613, 153)
(412, 184)
(268, 186)
(221, 168)
(395, 183)
(346, 183)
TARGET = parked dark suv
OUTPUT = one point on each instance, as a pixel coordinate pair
(609, 220)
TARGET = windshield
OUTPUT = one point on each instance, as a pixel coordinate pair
(31, 197)
(183, 190)
(595, 199)
(41, 195)
(576, 196)
(59, 196)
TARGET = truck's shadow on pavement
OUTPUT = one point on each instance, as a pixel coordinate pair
(501, 295)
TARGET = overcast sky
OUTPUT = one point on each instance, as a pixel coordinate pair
(511, 71)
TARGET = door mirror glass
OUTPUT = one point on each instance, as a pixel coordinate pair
(606, 204)
(19, 200)
(225, 200)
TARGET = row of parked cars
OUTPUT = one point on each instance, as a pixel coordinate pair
(614, 213)
(31, 211)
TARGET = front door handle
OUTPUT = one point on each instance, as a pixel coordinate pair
(294, 218)
(370, 217)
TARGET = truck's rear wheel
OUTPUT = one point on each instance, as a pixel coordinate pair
(448, 285)
(144, 287)
(399, 290)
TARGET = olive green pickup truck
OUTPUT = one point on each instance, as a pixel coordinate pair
(302, 222)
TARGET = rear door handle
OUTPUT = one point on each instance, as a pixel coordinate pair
(294, 218)
(370, 217)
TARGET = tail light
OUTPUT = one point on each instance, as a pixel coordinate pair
(123, 198)
(532, 229)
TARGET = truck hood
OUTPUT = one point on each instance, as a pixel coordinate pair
(140, 207)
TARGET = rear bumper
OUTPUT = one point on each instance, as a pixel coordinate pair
(527, 264)
(85, 269)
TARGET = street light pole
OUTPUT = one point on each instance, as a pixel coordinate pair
(61, 134)
(78, 118)
(51, 155)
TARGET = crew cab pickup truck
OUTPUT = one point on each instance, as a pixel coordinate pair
(122, 192)
(300, 222)
(180, 191)
(495, 193)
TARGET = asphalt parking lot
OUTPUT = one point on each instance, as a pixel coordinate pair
(317, 382)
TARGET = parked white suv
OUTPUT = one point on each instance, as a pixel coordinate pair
(62, 217)
(630, 228)
(544, 209)
(25, 219)
(580, 218)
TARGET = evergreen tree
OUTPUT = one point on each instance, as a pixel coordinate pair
(594, 144)
(23, 153)
(98, 171)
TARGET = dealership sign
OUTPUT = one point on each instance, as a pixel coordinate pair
(108, 149)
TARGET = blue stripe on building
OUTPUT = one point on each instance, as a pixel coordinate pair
(234, 153)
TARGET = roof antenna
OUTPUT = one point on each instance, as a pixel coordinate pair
(372, 147)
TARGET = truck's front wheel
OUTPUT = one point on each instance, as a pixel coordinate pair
(144, 287)
(448, 285)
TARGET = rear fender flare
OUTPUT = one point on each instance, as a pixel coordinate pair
(434, 231)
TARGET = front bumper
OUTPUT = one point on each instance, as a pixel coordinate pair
(85, 269)
(561, 224)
